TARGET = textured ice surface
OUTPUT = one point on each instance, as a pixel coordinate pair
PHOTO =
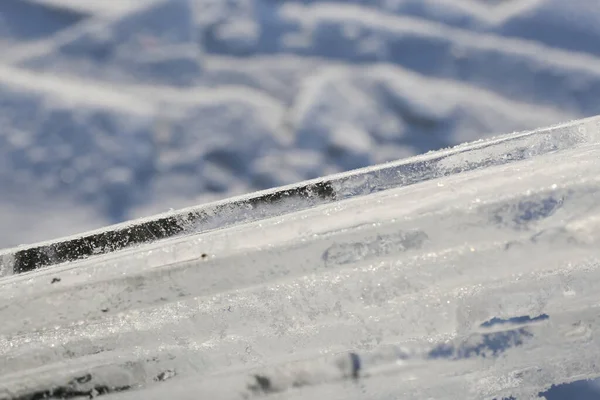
(477, 282)
(112, 110)
(115, 109)
(473, 156)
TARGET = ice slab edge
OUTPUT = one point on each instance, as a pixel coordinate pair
(269, 203)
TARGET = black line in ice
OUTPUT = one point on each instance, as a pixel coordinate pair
(355, 365)
(75, 388)
(120, 237)
(484, 345)
(515, 320)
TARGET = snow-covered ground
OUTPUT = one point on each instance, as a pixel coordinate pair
(112, 110)
(473, 274)
(486, 278)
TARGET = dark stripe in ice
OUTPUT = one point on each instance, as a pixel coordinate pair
(355, 365)
(485, 345)
(515, 320)
(111, 240)
(76, 388)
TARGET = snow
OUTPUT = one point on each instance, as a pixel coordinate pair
(113, 110)
(187, 101)
(473, 274)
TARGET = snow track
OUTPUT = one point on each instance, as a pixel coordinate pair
(476, 267)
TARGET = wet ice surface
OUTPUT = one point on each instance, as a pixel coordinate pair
(475, 284)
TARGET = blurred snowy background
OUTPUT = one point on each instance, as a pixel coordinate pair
(114, 109)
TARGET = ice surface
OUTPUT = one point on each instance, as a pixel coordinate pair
(112, 110)
(479, 155)
(477, 279)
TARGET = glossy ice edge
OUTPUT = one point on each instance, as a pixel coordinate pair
(269, 203)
